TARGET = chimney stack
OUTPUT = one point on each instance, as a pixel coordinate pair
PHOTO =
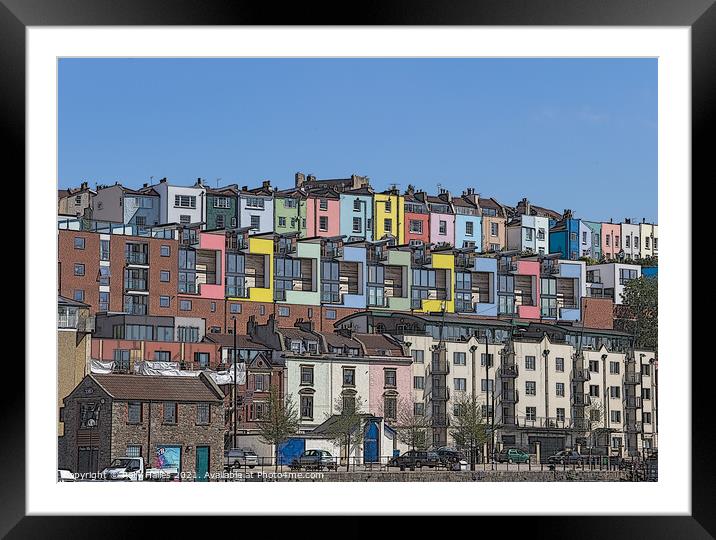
(300, 179)
(83, 185)
(145, 185)
(267, 184)
(163, 181)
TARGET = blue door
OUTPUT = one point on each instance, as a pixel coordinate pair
(290, 449)
(202, 463)
(371, 452)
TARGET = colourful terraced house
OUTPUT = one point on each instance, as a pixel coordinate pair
(389, 212)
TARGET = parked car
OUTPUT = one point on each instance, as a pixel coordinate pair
(315, 459)
(449, 456)
(240, 457)
(568, 457)
(128, 469)
(63, 475)
(513, 455)
(415, 459)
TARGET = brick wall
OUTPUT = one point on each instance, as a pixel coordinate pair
(598, 313)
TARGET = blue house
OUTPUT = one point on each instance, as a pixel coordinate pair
(356, 214)
(564, 237)
(468, 223)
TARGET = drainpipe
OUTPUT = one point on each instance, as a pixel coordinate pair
(545, 354)
(473, 350)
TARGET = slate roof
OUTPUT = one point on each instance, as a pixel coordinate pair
(374, 344)
(159, 388)
(227, 341)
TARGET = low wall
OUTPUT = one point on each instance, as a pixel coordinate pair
(467, 476)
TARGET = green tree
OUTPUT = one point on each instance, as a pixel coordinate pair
(346, 426)
(640, 312)
(279, 422)
(469, 427)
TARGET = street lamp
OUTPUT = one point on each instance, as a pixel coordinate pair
(233, 442)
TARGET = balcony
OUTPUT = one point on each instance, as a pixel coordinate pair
(375, 256)
(542, 422)
(464, 307)
(135, 309)
(580, 400)
(439, 367)
(135, 284)
(581, 375)
(332, 251)
(331, 297)
(508, 371)
(632, 402)
(581, 424)
(510, 396)
(440, 420)
(507, 267)
(136, 257)
(441, 393)
(633, 428)
(632, 378)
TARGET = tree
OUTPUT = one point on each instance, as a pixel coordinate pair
(412, 429)
(639, 315)
(346, 426)
(280, 420)
(469, 426)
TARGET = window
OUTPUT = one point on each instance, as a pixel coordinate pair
(559, 389)
(306, 406)
(170, 412)
(261, 382)
(646, 370)
(282, 222)
(646, 242)
(616, 241)
(530, 388)
(220, 221)
(418, 409)
(165, 251)
(257, 410)
(104, 275)
(284, 311)
(528, 234)
(388, 225)
(559, 364)
(103, 301)
(323, 223)
(165, 333)
(389, 376)
(289, 203)
(254, 202)
(646, 417)
(460, 384)
(78, 295)
(349, 403)
(626, 241)
(357, 225)
(418, 356)
(416, 226)
(162, 356)
(330, 314)
(202, 358)
(584, 238)
(614, 392)
(134, 412)
(614, 368)
(356, 205)
(655, 242)
(349, 376)
(212, 307)
(322, 204)
(530, 363)
(469, 228)
(646, 393)
(606, 238)
(79, 269)
(560, 414)
(593, 390)
(531, 413)
(616, 417)
(256, 222)
(390, 408)
(494, 229)
(184, 201)
(188, 334)
(458, 358)
(104, 250)
(594, 415)
(139, 331)
(388, 205)
(164, 276)
(78, 199)
(490, 360)
(616, 442)
(185, 305)
(487, 385)
(222, 202)
(419, 382)
(307, 375)
(594, 366)
(134, 450)
(442, 228)
(79, 242)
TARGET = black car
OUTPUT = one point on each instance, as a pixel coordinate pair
(416, 459)
(449, 456)
(314, 459)
(566, 457)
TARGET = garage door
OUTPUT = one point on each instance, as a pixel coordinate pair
(548, 446)
(290, 449)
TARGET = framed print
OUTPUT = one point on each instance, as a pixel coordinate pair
(403, 264)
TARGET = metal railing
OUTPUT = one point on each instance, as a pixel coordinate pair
(134, 257)
(509, 396)
(508, 371)
(135, 284)
(439, 393)
(581, 399)
(632, 402)
(632, 378)
(581, 375)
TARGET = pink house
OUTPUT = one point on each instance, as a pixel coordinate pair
(442, 228)
(323, 213)
(611, 241)
(212, 249)
(527, 281)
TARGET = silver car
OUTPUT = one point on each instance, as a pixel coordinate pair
(240, 457)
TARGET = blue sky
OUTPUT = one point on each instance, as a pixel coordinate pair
(566, 133)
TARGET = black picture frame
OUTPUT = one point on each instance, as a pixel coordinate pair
(16, 15)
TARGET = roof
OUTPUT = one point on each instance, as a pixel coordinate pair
(159, 388)
(328, 425)
(297, 333)
(227, 341)
(225, 191)
(365, 190)
(375, 344)
(462, 201)
(63, 301)
(337, 340)
(490, 203)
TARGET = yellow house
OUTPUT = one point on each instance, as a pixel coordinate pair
(389, 215)
(446, 282)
